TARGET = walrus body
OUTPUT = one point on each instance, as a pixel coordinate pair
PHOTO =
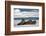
(27, 23)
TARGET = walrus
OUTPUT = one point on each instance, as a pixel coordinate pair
(27, 23)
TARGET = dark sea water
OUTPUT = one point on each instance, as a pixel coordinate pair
(32, 18)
